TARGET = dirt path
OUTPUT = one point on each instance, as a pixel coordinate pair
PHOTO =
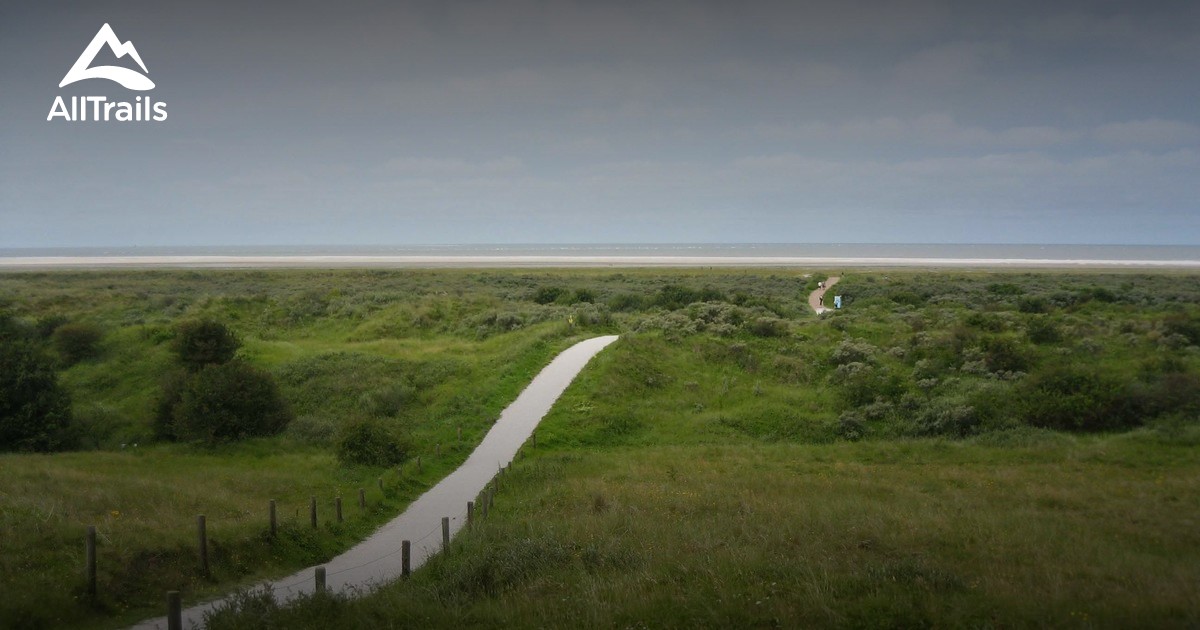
(814, 298)
(377, 559)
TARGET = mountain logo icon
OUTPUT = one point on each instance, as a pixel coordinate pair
(128, 78)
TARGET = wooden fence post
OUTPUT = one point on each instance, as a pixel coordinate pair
(460, 434)
(174, 611)
(445, 534)
(337, 507)
(202, 541)
(312, 511)
(533, 436)
(91, 561)
(470, 512)
(319, 576)
(274, 520)
(381, 484)
(437, 450)
(362, 498)
(418, 464)
(405, 558)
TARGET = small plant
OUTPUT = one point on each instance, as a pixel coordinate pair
(372, 442)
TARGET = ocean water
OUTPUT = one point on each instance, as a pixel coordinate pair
(706, 250)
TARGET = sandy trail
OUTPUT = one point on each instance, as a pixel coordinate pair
(814, 298)
(377, 559)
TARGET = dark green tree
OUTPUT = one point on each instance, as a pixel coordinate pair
(229, 401)
(34, 409)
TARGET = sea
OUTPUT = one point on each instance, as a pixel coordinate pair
(1187, 256)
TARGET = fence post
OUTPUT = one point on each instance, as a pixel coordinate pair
(319, 576)
(174, 611)
(381, 484)
(405, 558)
(91, 561)
(202, 540)
(470, 512)
(533, 436)
(437, 450)
(312, 511)
(446, 534)
(274, 520)
(460, 434)
(418, 464)
(362, 498)
(337, 507)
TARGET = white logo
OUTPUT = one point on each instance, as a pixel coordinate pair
(99, 108)
(126, 77)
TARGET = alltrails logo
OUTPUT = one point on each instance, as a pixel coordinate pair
(99, 107)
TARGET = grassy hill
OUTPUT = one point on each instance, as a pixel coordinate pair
(952, 448)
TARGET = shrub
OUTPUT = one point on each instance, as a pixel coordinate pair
(230, 401)
(204, 342)
(46, 325)
(169, 396)
(1042, 330)
(372, 442)
(1079, 398)
(34, 408)
(768, 327)
(547, 295)
(76, 342)
(1033, 305)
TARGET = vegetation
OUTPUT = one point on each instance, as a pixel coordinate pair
(942, 450)
(372, 442)
(34, 408)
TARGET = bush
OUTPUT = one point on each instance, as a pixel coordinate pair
(204, 342)
(229, 401)
(1042, 330)
(34, 408)
(76, 342)
(547, 295)
(1080, 398)
(372, 442)
(164, 408)
(769, 327)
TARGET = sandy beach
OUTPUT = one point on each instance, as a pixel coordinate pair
(308, 261)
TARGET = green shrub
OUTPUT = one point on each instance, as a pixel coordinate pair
(1042, 330)
(76, 342)
(204, 342)
(547, 295)
(230, 401)
(372, 442)
(1080, 398)
(768, 327)
(34, 408)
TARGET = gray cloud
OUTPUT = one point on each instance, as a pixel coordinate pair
(518, 120)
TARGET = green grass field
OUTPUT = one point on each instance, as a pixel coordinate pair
(952, 448)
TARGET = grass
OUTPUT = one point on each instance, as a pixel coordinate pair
(1065, 532)
(732, 460)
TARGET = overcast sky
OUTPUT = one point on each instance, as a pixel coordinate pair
(609, 122)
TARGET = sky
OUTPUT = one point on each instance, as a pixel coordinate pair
(522, 121)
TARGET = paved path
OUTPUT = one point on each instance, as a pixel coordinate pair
(814, 298)
(377, 559)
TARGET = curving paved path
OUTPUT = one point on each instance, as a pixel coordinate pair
(377, 559)
(814, 298)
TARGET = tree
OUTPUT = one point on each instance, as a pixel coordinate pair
(34, 409)
(204, 342)
(230, 401)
